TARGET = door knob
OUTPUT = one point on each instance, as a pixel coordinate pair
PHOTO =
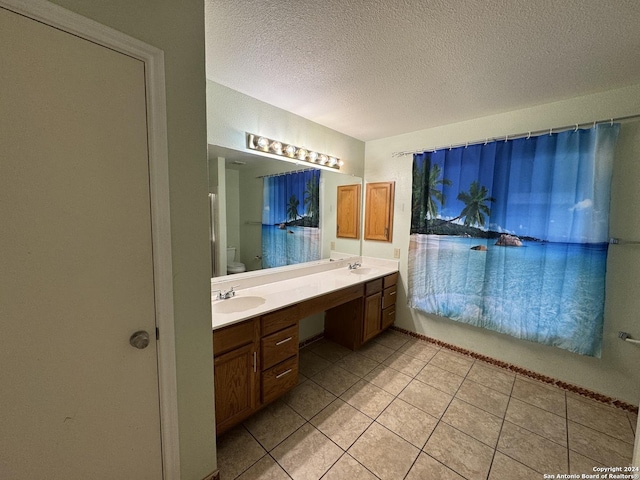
(139, 339)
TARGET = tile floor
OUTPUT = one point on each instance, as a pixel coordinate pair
(402, 408)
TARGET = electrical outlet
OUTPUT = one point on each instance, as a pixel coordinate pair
(333, 245)
(396, 253)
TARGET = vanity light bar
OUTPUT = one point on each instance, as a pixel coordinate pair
(287, 150)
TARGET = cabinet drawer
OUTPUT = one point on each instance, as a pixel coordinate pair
(234, 336)
(389, 297)
(390, 280)
(388, 316)
(272, 322)
(279, 379)
(279, 346)
(374, 286)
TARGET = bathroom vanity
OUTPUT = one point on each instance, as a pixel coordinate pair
(256, 348)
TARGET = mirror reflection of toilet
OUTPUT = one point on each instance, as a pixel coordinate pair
(232, 265)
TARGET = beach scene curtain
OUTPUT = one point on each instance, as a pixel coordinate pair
(290, 218)
(512, 236)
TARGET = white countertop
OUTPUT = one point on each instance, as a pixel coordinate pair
(302, 284)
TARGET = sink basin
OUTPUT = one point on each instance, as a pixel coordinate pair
(362, 271)
(237, 304)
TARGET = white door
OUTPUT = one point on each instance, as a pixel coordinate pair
(77, 401)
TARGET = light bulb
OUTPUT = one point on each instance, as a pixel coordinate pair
(290, 150)
(332, 161)
(313, 156)
(323, 159)
(340, 163)
(276, 147)
(302, 154)
(263, 142)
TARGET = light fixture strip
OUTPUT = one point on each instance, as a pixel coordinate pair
(288, 150)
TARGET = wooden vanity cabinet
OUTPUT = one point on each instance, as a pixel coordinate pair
(279, 353)
(389, 300)
(378, 220)
(236, 377)
(371, 325)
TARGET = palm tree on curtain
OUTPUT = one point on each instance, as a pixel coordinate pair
(427, 193)
(311, 200)
(292, 208)
(475, 209)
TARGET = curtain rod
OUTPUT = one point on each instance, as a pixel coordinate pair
(518, 135)
(287, 173)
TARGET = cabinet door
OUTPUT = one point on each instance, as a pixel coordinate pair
(348, 212)
(378, 222)
(371, 326)
(235, 386)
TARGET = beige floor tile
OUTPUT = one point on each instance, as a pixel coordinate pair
(409, 422)
(301, 378)
(392, 339)
(405, 364)
(504, 468)
(310, 363)
(307, 454)
(357, 364)
(603, 418)
(473, 421)
(388, 379)
(419, 349)
(531, 449)
(441, 379)
(544, 396)
(335, 379)
(452, 362)
(579, 464)
(492, 377)
(341, 422)
(537, 420)
(483, 397)
(367, 398)
(376, 351)
(460, 452)
(265, 469)
(237, 450)
(426, 398)
(428, 468)
(384, 453)
(308, 399)
(599, 447)
(273, 424)
(330, 351)
(347, 468)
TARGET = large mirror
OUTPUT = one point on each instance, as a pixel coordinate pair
(236, 180)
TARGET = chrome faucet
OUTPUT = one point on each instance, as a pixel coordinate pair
(354, 265)
(222, 295)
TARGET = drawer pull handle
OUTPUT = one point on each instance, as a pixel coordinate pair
(392, 293)
(286, 372)
(283, 341)
(391, 313)
(255, 361)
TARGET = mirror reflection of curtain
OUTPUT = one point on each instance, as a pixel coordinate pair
(512, 236)
(290, 218)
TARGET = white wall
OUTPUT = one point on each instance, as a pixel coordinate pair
(616, 373)
(231, 114)
(232, 183)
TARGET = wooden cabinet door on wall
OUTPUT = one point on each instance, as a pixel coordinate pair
(348, 212)
(378, 222)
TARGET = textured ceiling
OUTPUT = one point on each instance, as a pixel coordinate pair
(373, 68)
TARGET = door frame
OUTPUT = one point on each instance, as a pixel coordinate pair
(153, 59)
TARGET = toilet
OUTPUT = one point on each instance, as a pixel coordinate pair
(233, 266)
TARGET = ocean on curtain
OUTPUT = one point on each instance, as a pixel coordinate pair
(290, 218)
(512, 236)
